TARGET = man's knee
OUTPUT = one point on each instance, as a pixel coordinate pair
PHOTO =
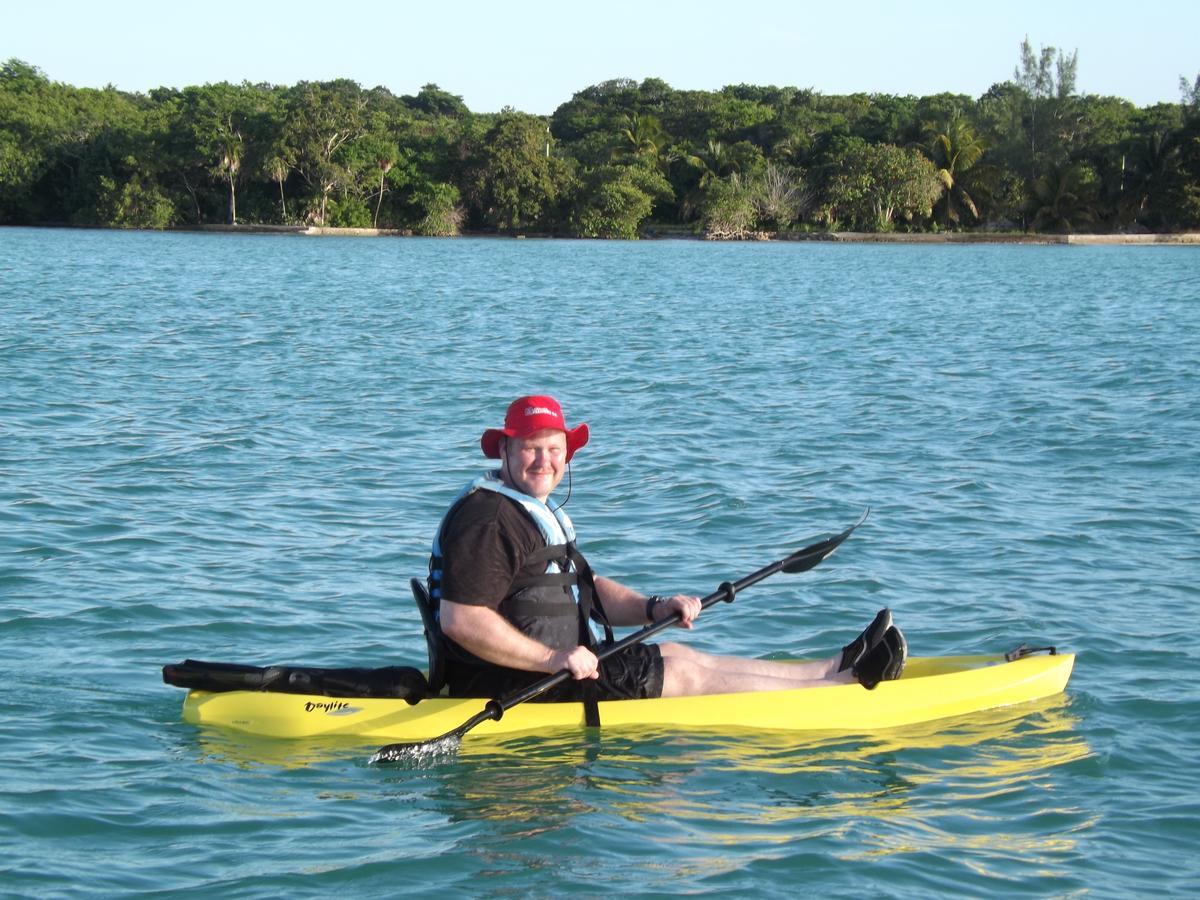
(677, 651)
(682, 677)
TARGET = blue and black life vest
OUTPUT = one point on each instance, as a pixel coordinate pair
(554, 607)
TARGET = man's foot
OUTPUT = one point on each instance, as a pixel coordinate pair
(884, 661)
(871, 636)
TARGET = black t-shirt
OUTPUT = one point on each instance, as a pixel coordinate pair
(484, 547)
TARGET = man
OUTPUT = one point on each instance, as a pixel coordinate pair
(517, 599)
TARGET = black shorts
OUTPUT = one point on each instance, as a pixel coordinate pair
(636, 673)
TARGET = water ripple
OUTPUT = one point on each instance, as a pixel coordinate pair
(238, 447)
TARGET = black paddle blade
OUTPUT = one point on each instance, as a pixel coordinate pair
(812, 555)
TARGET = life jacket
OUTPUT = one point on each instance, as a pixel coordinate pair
(555, 607)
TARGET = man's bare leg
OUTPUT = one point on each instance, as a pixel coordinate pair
(688, 672)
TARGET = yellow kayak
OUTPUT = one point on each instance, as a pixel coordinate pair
(931, 688)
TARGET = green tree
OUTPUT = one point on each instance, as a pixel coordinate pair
(1045, 77)
(1152, 160)
(134, 203)
(1174, 203)
(116, 136)
(35, 121)
(872, 185)
(955, 148)
(1108, 141)
(772, 198)
(715, 161)
(597, 110)
(440, 210)
(375, 163)
(733, 118)
(1063, 199)
(58, 143)
(1034, 74)
(889, 119)
(642, 137)
(433, 101)
(386, 160)
(781, 197)
(514, 182)
(321, 119)
(222, 121)
(758, 157)
(277, 167)
(712, 164)
(613, 201)
(728, 210)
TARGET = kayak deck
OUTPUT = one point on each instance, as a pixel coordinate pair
(931, 688)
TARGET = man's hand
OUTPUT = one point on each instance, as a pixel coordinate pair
(687, 606)
(579, 661)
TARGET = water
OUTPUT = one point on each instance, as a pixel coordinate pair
(237, 448)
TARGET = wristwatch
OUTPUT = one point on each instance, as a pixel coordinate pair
(651, 603)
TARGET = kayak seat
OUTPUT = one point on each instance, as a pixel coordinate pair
(433, 636)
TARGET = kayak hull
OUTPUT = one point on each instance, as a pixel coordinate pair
(931, 688)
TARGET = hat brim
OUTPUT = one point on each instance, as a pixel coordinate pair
(490, 442)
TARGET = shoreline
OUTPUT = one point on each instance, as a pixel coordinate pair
(839, 237)
(653, 233)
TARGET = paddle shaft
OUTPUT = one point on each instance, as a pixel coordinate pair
(725, 592)
(800, 561)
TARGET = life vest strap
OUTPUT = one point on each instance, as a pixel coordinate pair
(565, 580)
(551, 553)
(517, 606)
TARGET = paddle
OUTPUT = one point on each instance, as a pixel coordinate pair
(800, 561)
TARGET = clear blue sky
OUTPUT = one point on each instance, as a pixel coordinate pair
(534, 55)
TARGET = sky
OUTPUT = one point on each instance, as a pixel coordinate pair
(535, 55)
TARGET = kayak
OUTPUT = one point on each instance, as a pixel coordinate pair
(930, 688)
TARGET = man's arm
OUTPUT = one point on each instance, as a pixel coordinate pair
(487, 634)
(626, 606)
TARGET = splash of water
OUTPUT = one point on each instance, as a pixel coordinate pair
(418, 754)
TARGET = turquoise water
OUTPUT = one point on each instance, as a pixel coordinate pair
(237, 448)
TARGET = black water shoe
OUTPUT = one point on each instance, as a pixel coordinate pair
(884, 661)
(871, 636)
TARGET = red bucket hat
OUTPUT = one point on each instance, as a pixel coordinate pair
(527, 415)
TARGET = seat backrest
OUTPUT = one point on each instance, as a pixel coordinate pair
(433, 636)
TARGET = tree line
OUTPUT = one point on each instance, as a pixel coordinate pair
(1031, 154)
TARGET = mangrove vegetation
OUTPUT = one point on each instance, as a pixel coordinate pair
(618, 158)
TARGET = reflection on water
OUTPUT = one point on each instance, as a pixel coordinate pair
(248, 751)
(981, 782)
(985, 782)
(1018, 739)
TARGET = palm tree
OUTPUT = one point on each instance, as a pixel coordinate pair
(386, 155)
(1148, 167)
(644, 138)
(716, 161)
(955, 148)
(229, 164)
(277, 168)
(1061, 199)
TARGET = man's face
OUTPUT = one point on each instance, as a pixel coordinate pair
(535, 464)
